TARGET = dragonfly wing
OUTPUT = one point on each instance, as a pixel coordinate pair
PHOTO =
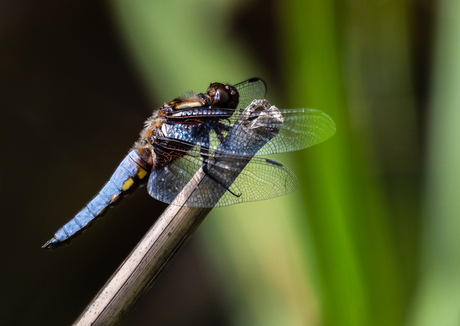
(302, 128)
(261, 179)
(166, 182)
(249, 90)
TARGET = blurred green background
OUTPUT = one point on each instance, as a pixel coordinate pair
(371, 237)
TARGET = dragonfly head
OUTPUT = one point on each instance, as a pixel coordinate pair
(222, 96)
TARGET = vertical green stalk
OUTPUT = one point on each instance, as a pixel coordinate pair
(438, 299)
(359, 272)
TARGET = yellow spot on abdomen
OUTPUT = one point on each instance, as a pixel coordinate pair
(128, 183)
(142, 174)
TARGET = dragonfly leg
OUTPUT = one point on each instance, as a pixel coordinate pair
(206, 171)
(219, 127)
(205, 154)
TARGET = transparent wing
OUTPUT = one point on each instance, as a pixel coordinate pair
(261, 179)
(301, 128)
(249, 90)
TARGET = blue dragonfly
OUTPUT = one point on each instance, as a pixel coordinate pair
(183, 135)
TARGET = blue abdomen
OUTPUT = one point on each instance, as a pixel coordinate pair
(132, 173)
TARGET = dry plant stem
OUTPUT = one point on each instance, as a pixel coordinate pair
(170, 232)
(143, 266)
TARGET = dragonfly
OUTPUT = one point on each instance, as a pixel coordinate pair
(182, 136)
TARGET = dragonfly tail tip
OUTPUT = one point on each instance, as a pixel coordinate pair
(51, 244)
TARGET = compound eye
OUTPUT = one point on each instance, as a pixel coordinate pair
(221, 96)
